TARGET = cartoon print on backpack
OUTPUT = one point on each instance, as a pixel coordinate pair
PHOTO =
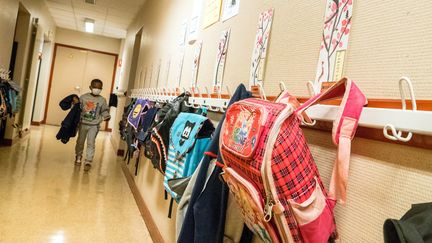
(137, 111)
(186, 132)
(243, 131)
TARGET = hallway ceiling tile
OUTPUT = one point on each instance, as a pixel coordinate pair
(112, 17)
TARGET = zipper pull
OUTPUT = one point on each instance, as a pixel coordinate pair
(268, 210)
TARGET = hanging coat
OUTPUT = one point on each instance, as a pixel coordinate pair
(205, 217)
(69, 125)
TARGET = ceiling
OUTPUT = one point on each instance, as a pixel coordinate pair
(112, 17)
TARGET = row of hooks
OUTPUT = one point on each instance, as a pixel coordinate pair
(217, 102)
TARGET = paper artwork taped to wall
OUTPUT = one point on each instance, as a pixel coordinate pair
(230, 9)
(143, 78)
(212, 9)
(195, 21)
(334, 43)
(180, 61)
(195, 64)
(183, 33)
(221, 53)
(150, 75)
(167, 71)
(260, 47)
(158, 72)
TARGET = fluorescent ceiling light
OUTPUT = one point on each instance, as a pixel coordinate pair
(89, 25)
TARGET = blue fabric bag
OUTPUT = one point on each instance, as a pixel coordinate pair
(189, 138)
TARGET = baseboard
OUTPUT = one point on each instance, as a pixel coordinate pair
(145, 213)
(34, 123)
(120, 152)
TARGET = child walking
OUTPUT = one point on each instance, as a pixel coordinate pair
(94, 110)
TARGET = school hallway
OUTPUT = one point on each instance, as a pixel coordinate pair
(44, 197)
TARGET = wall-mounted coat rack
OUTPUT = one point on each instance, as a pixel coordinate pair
(397, 124)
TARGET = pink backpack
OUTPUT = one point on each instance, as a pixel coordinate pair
(271, 172)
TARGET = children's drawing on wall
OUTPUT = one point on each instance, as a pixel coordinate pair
(167, 71)
(150, 75)
(260, 48)
(222, 49)
(195, 64)
(158, 72)
(180, 66)
(181, 49)
(334, 43)
(195, 22)
(212, 10)
(230, 9)
(183, 34)
(143, 78)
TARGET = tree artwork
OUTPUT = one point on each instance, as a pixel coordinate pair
(337, 25)
(221, 57)
(260, 48)
(195, 64)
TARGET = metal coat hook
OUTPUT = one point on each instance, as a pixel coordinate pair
(397, 134)
(209, 107)
(311, 88)
(197, 106)
(261, 91)
(228, 91)
(282, 86)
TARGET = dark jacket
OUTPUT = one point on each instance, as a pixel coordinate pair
(113, 101)
(69, 126)
(414, 227)
(205, 217)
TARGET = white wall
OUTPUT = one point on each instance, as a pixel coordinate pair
(8, 17)
(42, 89)
(88, 41)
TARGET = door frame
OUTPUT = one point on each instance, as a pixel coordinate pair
(56, 45)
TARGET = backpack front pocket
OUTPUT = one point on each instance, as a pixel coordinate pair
(315, 216)
(251, 204)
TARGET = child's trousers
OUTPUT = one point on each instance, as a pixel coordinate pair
(88, 132)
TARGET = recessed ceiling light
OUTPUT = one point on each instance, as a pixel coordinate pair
(89, 25)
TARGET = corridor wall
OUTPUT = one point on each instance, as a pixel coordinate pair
(8, 17)
(88, 41)
(386, 42)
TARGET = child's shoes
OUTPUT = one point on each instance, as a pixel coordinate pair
(78, 160)
(87, 165)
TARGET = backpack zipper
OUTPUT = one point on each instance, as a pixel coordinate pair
(273, 204)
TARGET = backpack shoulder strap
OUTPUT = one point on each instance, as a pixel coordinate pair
(344, 129)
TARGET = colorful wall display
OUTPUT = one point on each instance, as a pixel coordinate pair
(230, 9)
(221, 53)
(212, 10)
(260, 47)
(195, 64)
(334, 43)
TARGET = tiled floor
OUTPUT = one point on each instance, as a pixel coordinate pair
(45, 198)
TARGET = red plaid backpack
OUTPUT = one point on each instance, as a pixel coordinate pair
(270, 170)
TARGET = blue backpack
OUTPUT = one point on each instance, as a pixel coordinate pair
(189, 138)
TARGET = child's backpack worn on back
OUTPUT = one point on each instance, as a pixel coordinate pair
(271, 172)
